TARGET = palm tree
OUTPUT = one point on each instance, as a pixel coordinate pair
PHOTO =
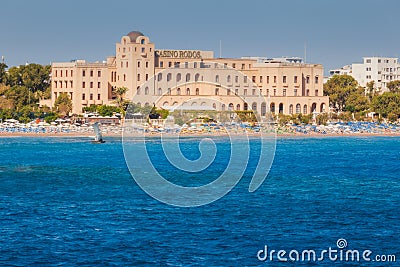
(120, 92)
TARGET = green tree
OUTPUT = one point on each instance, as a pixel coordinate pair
(63, 104)
(3, 73)
(387, 103)
(371, 90)
(20, 96)
(357, 101)
(338, 88)
(120, 92)
(322, 119)
(394, 86)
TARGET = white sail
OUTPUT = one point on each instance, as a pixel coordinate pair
(98, 136)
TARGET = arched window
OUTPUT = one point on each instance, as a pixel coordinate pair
(228, 79)
(178, 77)
(245, 106)
(175, 103)
(214, 106)
(291, 109)
(230, 106)
(223, 107)
(178, 91)
(142, 41)
(216, 91)
(272, 107)
(197, 91)
(146, 90)
(138, 90)
(298, 109)
(196, 77)
(263, 109)
(159, 78)
(238, 107)
(159, 91)
(187, 91)
(280, 108)
(169, 76)
(165, 104)
(305, 109)
(217, 78)
(188, 77)
(254, 106)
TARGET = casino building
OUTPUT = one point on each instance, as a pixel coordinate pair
(191, 78)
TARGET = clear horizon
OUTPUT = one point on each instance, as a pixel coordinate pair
(336, 33)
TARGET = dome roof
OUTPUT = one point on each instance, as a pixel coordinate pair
(133, 35)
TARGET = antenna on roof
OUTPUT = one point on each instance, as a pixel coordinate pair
(305, 52)
(220, 49)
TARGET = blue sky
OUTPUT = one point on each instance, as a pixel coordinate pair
(336, 32)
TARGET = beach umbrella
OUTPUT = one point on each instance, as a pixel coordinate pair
(12, 121)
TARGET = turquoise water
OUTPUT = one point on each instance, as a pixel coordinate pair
(64, 201)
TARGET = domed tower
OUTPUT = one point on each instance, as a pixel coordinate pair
(134, 62)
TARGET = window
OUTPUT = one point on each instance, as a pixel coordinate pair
(253, 79)
(267, 79)
(169, 91)
(295, 79)
(196, 77)
(316, 92)
(245, 79)
(159, 91)
(91, 84)
(195, 65)
(91, 73)
(217, 78)
(55, 84)
(66, 73)
(316, 79)
(61, 73)
(147, 77)
(126, 65)
(261, 79)
(159, 77)
(379, 61)
(308, 79)
(298, 109)
(56, 74)
(169, 77)
(236, 91)
(61, 84)
(91, 96)
(267, 92)
(242, 66)
(124, 77)
(169, 64)
(305, 109)
(142, 41)
(138, 64)
(236, 79)
(274, 79)
(98, 84)
(197, 91)
(138, 77)
(284, 92)
(178, 91)
(138, 90)
(161, 64)
(234, 65)
(245, 92)
(99, 72)
(83, 84)
(274, 92)
(143, 50)
(291, 109)
(228, 92)
(216, 91)
(228, 79)
(98, 97)
(83, 96)
(284, 79)
(178, 77)
(253, 92)
(187, 91)
(295, 92)
(308, 92)
(368, 61)
(83, 73)
(147, 64)
(146, 90)
(188, 77)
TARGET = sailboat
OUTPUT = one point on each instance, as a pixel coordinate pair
(98, 138)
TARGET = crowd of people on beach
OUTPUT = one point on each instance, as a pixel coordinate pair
(14, 127)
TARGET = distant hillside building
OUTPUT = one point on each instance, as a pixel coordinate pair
(171, 77)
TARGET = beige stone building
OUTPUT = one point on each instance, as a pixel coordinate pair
(191, 79)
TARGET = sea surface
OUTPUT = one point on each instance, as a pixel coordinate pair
(67, 202)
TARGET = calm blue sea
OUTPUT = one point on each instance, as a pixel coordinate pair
(67, 202)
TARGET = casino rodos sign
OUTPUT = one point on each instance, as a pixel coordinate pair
(178, 53)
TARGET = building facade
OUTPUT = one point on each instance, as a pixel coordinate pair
(191, 78)
(381, 70)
